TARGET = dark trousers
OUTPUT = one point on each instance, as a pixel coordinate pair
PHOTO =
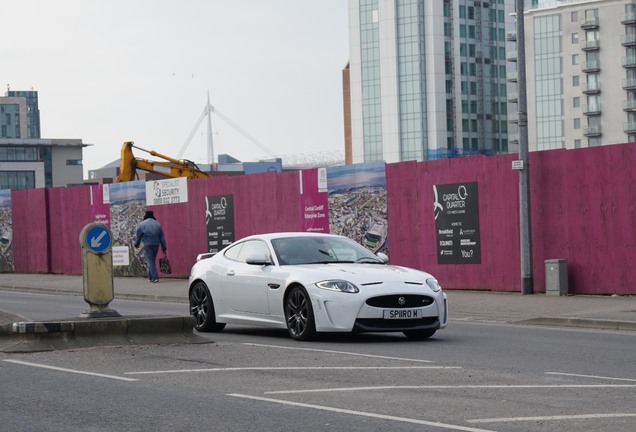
(151, 255)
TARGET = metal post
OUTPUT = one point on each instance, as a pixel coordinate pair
(525, 235)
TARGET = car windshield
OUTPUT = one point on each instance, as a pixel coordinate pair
(321, 250)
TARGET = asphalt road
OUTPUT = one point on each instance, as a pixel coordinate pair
(468, 377)
(42, 307)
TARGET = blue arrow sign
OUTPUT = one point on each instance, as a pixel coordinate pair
(98, 238)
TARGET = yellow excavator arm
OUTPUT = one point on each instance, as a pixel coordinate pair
(129, 164)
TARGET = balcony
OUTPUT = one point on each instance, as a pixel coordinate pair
(593, 131)
(629, 105)
(629, 84)
(513, 138)
(590, 23)
(591, 45)
(591, 66)
(511, 36)
(511, 56)
(592, 109)
(591, 88)
(629, 127)
(629, 62)
(628, 40)
(628, 18)
(512, 76)
(513, 97)
(513, 118)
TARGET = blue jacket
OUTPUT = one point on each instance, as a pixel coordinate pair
(149, 232)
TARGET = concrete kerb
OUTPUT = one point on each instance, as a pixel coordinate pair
(83, 333)
(581, 323)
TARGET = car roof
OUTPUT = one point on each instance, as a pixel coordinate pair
(270, 236)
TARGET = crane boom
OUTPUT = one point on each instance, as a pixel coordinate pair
(129, 164)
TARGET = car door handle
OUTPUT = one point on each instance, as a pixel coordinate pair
(230, 273)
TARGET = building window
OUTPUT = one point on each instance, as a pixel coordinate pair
(574, 16)
(73, 162)
(577, 143)
(19, 154)
(575, 81)
(576, 102)
(17, 179)
(577, 123)
(575, 38)
(575, 59)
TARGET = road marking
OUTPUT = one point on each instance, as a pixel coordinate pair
(339, 352)
(363, 414)
(452, 387)
(591, 376)
(20, 362)
(283, 368)
(546, 418)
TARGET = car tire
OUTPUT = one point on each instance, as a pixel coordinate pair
(299, 315)
(419, 334)
(202, 308)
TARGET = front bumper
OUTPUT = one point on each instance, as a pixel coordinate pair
(335, 312)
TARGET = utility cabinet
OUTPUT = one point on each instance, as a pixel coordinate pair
(556, 277)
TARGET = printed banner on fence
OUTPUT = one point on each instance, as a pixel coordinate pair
(219, 221)
(168, 191)
(314, 200)
(456, 209)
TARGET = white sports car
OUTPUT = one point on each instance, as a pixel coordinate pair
(309, 283)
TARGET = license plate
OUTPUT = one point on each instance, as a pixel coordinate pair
(402, 313)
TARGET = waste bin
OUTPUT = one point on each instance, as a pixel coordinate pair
(556, 277)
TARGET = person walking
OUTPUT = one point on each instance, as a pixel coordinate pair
(150, 233)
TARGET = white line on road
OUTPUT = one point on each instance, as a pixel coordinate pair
(339, 352)
(452, 387)
(591, 376)
(546, 418)
(284, 368)
(20, 362)
(363, 414)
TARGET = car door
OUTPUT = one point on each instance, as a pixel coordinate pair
(245, 286)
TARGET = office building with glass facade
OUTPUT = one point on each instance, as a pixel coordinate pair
(428, 79)
(581, 73)
(28, 161)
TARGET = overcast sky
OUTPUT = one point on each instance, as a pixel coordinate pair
(112, 71)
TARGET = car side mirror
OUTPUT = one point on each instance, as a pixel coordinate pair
(258, 259)
(383, 257)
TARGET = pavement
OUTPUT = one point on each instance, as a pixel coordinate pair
(585, 311)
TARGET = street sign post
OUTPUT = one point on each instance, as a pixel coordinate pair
(96, 241)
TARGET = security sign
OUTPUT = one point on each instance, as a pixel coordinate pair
(96, 237)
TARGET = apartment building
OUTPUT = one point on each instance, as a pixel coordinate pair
(581, 73)
(428, 79)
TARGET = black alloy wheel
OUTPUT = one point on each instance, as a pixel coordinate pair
(202, 308)
(299, 315)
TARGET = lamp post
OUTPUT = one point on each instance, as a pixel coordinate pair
(525, 235)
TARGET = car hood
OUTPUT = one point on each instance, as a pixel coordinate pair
(362, 273)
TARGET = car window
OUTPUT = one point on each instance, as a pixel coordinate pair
(312, 250)
(233, 251)
(252, 247)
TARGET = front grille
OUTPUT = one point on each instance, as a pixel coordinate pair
(392, 301)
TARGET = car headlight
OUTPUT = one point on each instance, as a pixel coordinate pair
(338, 285)
(433, 284)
